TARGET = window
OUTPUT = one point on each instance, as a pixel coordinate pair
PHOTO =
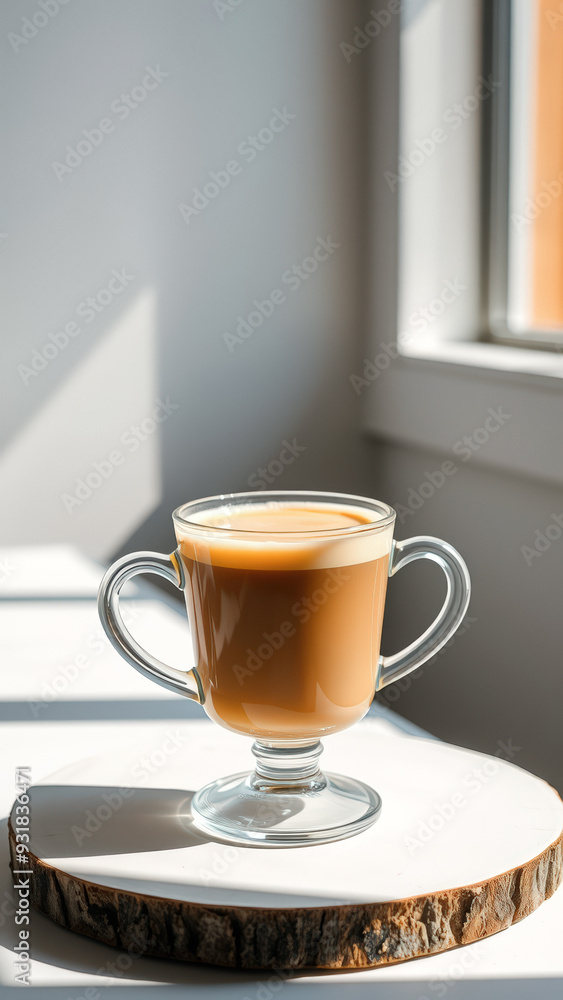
(526, 192)
(458, 310)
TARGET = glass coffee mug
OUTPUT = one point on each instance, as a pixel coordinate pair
(285, 594)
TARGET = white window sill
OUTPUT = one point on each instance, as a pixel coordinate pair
(517, 363)
(434, 398)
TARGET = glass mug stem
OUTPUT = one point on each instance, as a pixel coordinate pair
(251, 576)
(296, 768)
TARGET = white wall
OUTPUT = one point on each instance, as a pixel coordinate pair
(162, 335)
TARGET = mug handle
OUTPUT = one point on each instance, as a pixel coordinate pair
(186, 682)
(392, 668)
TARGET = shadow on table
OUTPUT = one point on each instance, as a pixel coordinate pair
(79, 821)
(106, 710)
(82, 821)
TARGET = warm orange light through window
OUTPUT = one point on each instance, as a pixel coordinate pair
(547, 296)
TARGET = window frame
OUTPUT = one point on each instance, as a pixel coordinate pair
(502, 30)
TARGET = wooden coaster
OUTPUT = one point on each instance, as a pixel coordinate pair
(466, 845)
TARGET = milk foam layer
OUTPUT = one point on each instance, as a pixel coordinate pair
(346, 535)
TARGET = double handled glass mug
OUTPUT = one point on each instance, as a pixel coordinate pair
(285, 594)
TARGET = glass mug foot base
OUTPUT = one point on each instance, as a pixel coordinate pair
(286, 802)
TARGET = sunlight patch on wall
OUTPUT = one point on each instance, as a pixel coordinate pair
(86, 468)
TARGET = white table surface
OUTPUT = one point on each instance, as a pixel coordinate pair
(64, 694)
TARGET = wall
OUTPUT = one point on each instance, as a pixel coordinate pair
(83, 459)
(500, 679)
